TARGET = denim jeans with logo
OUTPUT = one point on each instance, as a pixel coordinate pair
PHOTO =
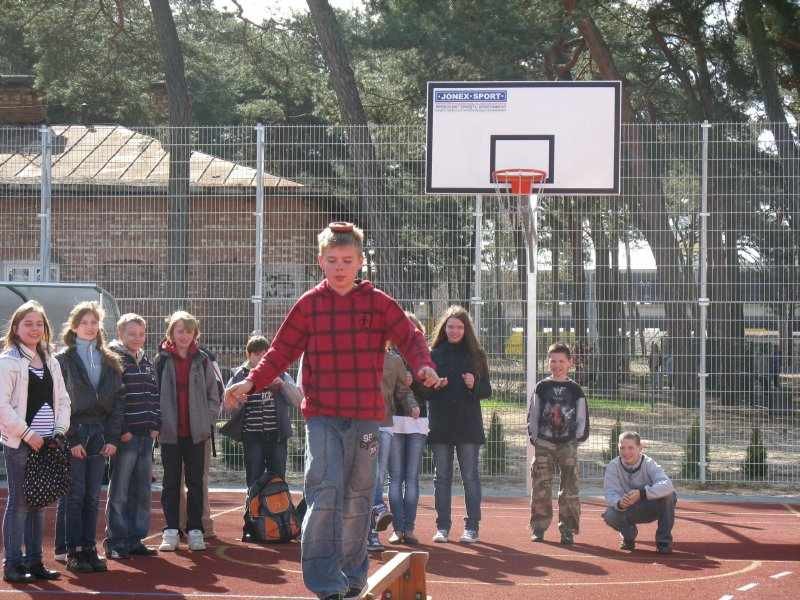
(339, 488)
(382, 467)
(82, 502)
(21, 523)
(128, 504)
(404, 461)
(443, 483)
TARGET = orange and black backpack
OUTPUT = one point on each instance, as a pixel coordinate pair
(269, 513)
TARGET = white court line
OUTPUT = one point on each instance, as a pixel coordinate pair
(747, 586)
(781, 574)
(726, 597)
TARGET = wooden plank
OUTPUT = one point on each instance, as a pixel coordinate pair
(403, 576)
(384, 578)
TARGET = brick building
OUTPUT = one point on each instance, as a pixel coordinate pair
(111, 221)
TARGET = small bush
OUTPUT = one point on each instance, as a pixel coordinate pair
(690, 469)
(755, 462)
(495, 451)
(612, 451)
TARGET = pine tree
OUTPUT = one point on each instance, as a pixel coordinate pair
(690, 469)
(613, 442)
(494, 456)
(755, 462)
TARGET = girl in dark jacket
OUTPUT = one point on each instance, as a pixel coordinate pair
(455, 417)
(93, 377)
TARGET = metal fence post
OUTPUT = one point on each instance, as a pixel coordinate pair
(703, 300)
(258, 294)
(477, 300)
(45, 206)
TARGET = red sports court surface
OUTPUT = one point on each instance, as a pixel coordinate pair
(722, 551)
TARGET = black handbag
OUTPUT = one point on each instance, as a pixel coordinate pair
(48, 474)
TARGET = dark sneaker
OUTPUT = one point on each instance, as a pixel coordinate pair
(381, 517)
(353, 592)
(39, 571)
(629, 543)
(537, 535)
(664, 548)
(98, 564)
(567, 538)
(17, 574)
(141, 550)
(78, 563)
(374, 542)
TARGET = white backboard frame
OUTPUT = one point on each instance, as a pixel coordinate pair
(571, 129)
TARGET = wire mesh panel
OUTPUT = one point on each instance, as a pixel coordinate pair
(169, 218)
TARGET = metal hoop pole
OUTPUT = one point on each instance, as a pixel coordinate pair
(531, 326)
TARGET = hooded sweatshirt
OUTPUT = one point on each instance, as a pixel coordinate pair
(343, 338)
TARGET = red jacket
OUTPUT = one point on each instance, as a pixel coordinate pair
(343, 338)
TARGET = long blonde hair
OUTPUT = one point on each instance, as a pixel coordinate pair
(11, 338)
(68, 334)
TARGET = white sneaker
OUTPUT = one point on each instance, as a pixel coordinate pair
(196, 541)
(440, 537)
(169, 540)
(62, 558)
(470, 536)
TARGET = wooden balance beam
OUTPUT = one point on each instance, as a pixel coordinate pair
(402, 577)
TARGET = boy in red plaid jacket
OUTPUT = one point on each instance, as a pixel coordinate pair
(341, 326)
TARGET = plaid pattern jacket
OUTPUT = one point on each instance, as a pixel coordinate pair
(343, 338)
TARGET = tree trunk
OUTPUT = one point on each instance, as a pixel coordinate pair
(369, 172)
(179, 147)
(555, 246)
(651, 219)
(604, 360)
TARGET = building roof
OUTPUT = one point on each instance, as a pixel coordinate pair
(114, 155)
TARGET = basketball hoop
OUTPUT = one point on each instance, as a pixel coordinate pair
(520, 181)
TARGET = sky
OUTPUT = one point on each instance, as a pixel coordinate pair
(258, 10)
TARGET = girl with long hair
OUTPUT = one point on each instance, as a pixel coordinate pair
(93, 377)
(456, 422)
(34, 409)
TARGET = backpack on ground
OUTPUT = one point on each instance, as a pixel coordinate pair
(269, 513)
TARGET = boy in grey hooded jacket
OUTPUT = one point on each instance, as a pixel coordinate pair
(637, 490)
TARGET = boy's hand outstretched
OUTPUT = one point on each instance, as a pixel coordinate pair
(428, 377)
(237, 392)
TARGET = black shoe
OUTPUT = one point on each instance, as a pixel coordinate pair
(141, 550)
(567, 537)
(664, 548)
(77, 562)
(17, 574)
(629, 545)
(97, 564)
(353, 593)
(39, 571)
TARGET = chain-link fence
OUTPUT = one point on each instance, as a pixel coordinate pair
(678, 296)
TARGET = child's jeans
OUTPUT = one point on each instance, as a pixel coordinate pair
(339, 488)
(128, 504)
(81, 505)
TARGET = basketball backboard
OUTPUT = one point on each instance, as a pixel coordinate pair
(570, 129)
